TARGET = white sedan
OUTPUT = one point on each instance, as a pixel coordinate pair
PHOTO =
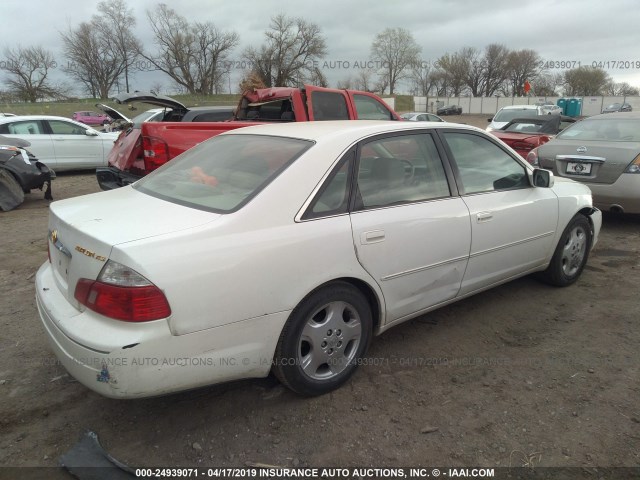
(285, 248)
(60, 143)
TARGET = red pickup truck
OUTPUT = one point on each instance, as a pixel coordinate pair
(140, 149)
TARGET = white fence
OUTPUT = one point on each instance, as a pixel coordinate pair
(490, 105)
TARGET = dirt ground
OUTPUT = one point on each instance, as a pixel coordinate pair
(524, 374)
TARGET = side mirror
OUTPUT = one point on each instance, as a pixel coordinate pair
(490, 119)
(89, 132)
(542, 178)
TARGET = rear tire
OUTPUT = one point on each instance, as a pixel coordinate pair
(323, 339)
(571, 253)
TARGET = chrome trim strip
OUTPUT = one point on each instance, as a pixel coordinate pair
(53, 238)
(420, 269)
(512, 244)
(581, 158)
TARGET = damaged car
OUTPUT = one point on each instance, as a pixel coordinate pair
(20, 172)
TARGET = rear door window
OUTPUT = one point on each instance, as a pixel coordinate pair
(400, 169)
(27, 127)
(329, 106)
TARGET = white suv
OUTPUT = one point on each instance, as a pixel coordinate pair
(506, 114)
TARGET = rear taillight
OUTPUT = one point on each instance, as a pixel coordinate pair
(156, 153)
(634, 167)
(532, 157)
(122, 293)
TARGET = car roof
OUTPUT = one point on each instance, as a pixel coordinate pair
(344, 128)
(35, 117)
(519, 107)
(618, 115)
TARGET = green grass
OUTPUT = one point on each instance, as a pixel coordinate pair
(66, 109)
(404, 103)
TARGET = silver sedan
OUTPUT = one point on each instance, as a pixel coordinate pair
(602, 152)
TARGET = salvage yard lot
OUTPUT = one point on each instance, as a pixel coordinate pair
(521, 374)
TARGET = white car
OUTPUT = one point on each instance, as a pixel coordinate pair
(285, 248)
(550, 109)
(508, 113)
(60, 143)
(421, 117)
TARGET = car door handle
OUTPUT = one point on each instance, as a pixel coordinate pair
(484, 217)
(373, 236)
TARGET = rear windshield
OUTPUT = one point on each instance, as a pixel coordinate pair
(610, 129)
(510, 114)
(524, 127)
(223, 173)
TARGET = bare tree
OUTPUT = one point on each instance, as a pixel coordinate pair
(396, 50)
(91, 61)
(475, 70)
(524, 65)
(290, 54)
(195, 55)
(27, 70)
(454, 71)
(440, 82)
(363, 80)
(116, 23)
(317, 78)
(99, 52)
(586, 81)
(157, 87)
(620, 89)
(422, 77)
(547, 83)
(495, 68)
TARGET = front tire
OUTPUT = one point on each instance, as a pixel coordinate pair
(323, 339)
(11, 193)
(571, 253)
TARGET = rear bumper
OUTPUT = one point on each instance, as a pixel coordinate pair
(124, 360)
(110, 178)
(622, 195)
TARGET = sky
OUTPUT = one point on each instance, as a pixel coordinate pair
(569, 32)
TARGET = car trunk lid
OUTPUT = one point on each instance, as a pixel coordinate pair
(113, 113)
(150, 98)
(588, 161)
(82, 234)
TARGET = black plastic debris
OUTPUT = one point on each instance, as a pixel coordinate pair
(87, 460)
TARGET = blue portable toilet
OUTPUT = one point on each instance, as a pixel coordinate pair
(574, 107)
(562, 103)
